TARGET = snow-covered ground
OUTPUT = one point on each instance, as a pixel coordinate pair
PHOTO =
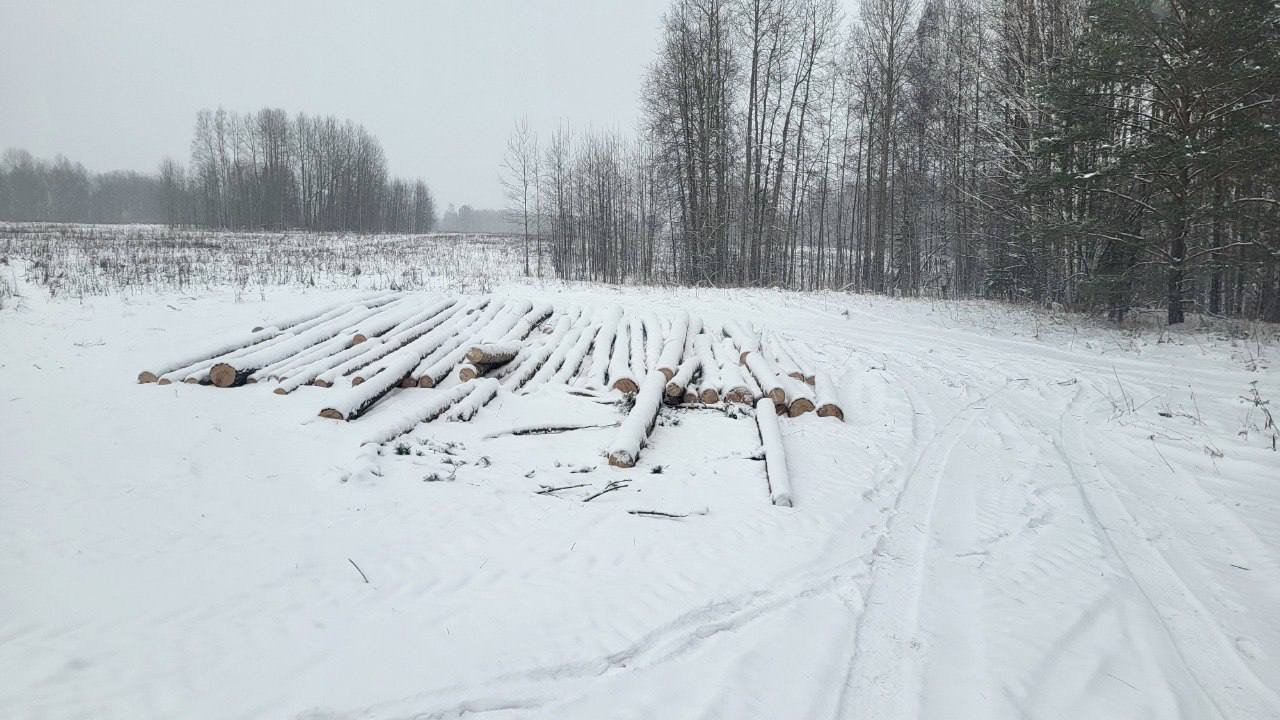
(1024, 516)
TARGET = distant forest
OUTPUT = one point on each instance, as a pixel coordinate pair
(261, 170)
(1098, 154)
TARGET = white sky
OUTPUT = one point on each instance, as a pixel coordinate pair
(115, 84)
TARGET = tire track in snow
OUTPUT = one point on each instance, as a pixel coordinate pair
(1209, 658)
(884, 675)
(537, 686)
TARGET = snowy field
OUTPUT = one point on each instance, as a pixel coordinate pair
(1025, 515)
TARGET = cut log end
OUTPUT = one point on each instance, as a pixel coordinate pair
(742, 396)
(626, 386)
(191, 381)
(322, 383)
(331, 414)
(710, 396)
(468, 372)
(778, 396)
(621, 459)
(830, 410)
(280, 391)
(799, 407)
(146, 376)
(426, 381)
(796, 374)
(667, 373)
(251, 381)
(163, 381)
(674, 391)
(356, 380)
(222, 375)
(357, 340)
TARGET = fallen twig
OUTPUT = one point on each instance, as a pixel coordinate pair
(357, 567)
(613, 485)
(547, 489)
(659, 513)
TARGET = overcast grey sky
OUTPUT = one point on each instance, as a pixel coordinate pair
(115, 84)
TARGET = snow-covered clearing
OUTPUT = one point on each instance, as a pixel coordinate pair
(1021, 518)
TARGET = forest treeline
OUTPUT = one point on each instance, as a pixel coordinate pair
(34, 190)
(1100, 154)
(262, 170)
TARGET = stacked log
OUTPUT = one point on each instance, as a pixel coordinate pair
(441, 362)
(526, 368)
(709, 390)
(418, 407)
(483, 391)
(234, 371)
(828, 403)
(570, 343)
(732, 385)
(799, 396)
(621, 375)
(673, 345)
(254, 338)
(632, 435)
(576, 354)
(675, 388)
(602, 347)
(427, 343)
(763, 372)
(394, 339)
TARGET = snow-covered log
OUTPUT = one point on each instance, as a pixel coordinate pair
(385, 375)
(635, 428)
(563, 347)
(234, 371)
(733, 386)
(381, 320)
(575, 355)
(482, 392)
(621, 375)
(684, 375)
(441, 362)
(786, 359)
(207, 354)
(765, 374)
(673, 345)
(654, 334)
(709, 385)
(746, 340)
(799, 395)
(280, 369)
(828, 400)
(300, 376)
(394, 339)
(494, 353)
(692, 394)
(775, 460)
(417, 407)
(602, 347)
(695, 327)
(636, 336)
(293, 322)
(388, 317)
(526, 323)
(537, 355)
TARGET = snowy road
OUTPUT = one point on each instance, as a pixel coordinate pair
(1079, 524)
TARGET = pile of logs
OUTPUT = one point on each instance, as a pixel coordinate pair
(473, 348)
